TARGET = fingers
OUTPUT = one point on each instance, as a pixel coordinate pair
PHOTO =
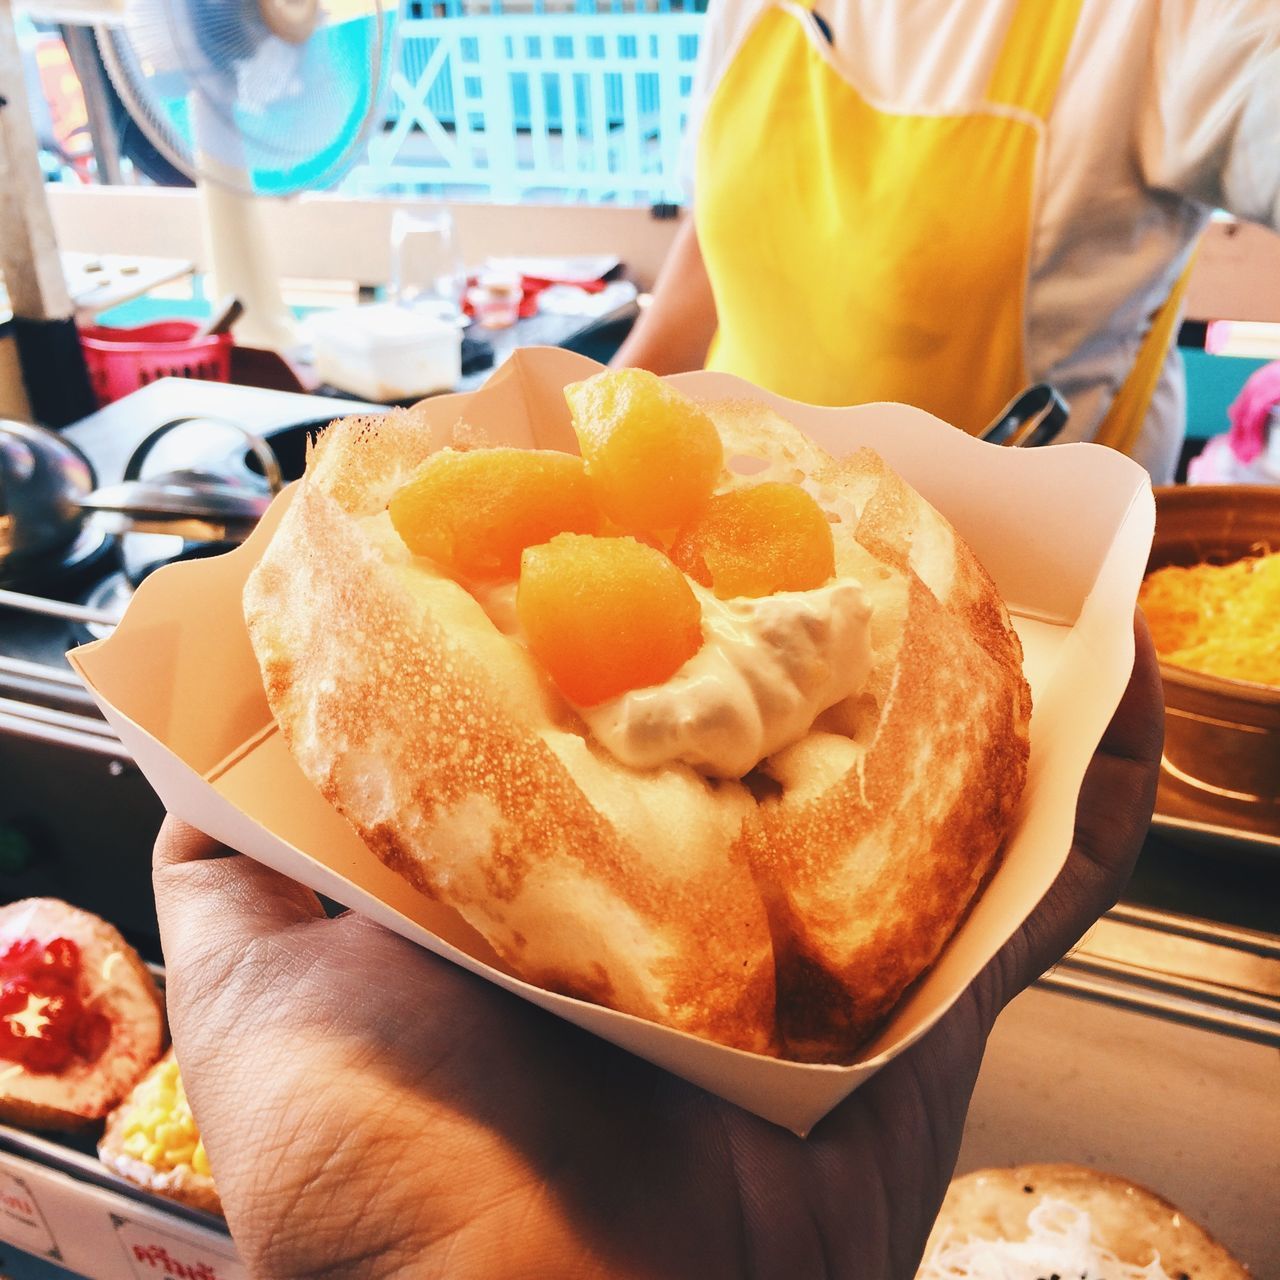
(1118, 794)
(1113, 815)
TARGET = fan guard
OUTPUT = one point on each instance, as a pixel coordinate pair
(266, 97)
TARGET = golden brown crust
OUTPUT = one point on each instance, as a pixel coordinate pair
(873, 876)
(657, 892)
(1129, 1220)
(867, 877)
(443, 749)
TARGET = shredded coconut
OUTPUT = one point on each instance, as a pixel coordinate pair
(1059, 1242)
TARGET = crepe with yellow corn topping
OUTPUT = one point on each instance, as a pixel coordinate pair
(151, 1139)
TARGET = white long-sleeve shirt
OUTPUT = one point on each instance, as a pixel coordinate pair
(1167, 109)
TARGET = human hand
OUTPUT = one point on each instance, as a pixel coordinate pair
(371, 1110)
(1249, 411)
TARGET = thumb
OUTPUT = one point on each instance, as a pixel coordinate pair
(214, 907)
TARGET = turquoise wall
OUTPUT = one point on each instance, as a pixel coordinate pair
(1213, 382)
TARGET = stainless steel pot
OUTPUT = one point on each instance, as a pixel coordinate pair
(1222, 737)
(48, 489)
(43, 479)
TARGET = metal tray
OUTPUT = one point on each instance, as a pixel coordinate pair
(77, 1154)
(1190, 815)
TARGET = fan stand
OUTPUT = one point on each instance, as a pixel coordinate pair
(236, 242)
(212, 150)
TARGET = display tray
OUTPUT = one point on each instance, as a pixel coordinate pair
(58, 1201)
(77, 1155)
(1189, 815)
(60, 1205)
(1159, 974)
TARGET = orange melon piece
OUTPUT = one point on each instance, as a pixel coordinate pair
(757, 540)
(473, 513)
(605, 615)
(652, 454)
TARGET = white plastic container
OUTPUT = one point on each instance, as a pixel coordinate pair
(387, 353)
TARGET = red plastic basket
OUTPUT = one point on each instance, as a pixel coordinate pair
(122, 360)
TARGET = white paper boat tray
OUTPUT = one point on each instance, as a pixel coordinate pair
(1064, 531)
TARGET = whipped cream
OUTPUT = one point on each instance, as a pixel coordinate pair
(766, 669)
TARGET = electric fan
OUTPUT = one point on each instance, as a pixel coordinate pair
(250, 98)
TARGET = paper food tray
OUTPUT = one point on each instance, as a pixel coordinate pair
(1064, 531)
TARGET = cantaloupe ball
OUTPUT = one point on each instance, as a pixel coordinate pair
(473, 513)
(652, 454)
(757, 540)
(605, 615)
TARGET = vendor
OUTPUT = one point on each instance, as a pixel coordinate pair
(943, 201)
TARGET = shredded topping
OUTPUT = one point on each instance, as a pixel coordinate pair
(1059, 1243)
(1223, 620)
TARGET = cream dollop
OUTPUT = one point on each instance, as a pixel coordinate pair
(767, 668)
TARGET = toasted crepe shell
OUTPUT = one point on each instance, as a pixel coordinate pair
(848, 864)
(447, 750)
(1128, 1220)
(867, 878)
(96, 938)
(872, 877)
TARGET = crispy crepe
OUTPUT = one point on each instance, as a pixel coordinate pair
(786, 912)
(891, 812)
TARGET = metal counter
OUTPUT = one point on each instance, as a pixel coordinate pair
(1190, 1113)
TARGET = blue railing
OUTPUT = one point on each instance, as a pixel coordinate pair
(579, 104)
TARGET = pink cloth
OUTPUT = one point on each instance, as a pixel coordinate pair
(1248, 435)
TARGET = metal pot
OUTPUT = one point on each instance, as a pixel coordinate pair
(1222, 736)
(48, 489)
(43, 479)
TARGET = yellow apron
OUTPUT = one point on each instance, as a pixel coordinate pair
(857, 254)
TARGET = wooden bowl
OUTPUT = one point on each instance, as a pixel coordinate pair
(1222, 736)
